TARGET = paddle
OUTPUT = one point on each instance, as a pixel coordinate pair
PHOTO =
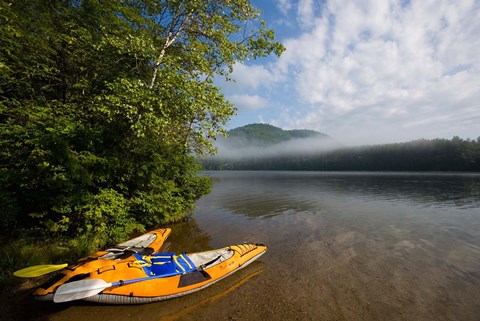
(37, 270)
(86, 288)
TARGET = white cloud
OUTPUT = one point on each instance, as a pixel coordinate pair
(249, 102)
(284, 6)
(252, 76)
(409, 69)
(305, 13)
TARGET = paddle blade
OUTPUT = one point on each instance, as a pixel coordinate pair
(37, 270)
(79, 290)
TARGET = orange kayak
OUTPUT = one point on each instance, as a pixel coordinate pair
(121, 254)
(157, 277)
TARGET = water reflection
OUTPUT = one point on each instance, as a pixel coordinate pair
(195, 307)
(187, 237)
(271, 193)
(362, 246)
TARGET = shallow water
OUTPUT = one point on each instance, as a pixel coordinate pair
(342, 246)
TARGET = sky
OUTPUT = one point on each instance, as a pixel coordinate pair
(366, 71)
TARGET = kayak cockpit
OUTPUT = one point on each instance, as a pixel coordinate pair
(170, 263)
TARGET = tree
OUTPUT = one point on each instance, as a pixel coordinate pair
(104, 103)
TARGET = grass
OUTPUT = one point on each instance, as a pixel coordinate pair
(23, 252)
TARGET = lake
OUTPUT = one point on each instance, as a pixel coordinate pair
(342, 246)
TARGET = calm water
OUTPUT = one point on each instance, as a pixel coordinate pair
(342, 246)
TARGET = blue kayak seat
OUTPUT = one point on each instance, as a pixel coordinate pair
(184, 264)
(168, 264)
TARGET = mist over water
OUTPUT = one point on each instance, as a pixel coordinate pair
(245, 150)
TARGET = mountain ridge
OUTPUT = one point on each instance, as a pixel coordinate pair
(267, 135)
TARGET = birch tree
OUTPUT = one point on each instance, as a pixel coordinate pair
(104, 103)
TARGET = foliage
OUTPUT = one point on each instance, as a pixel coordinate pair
(423, 155)
(103, 104)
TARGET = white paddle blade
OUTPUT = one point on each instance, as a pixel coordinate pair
(79, 290)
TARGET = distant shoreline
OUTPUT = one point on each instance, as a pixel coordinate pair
(438, 155)
(347, 172)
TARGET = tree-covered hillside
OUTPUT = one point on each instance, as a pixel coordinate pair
(266, 135)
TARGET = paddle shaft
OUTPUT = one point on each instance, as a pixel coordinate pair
(125, 282)
(86, 288)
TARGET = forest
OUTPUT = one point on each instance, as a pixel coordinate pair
(103, 105)
(421, 155)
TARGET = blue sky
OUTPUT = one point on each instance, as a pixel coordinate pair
(366, 72)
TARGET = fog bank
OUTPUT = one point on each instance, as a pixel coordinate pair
(304, 146)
